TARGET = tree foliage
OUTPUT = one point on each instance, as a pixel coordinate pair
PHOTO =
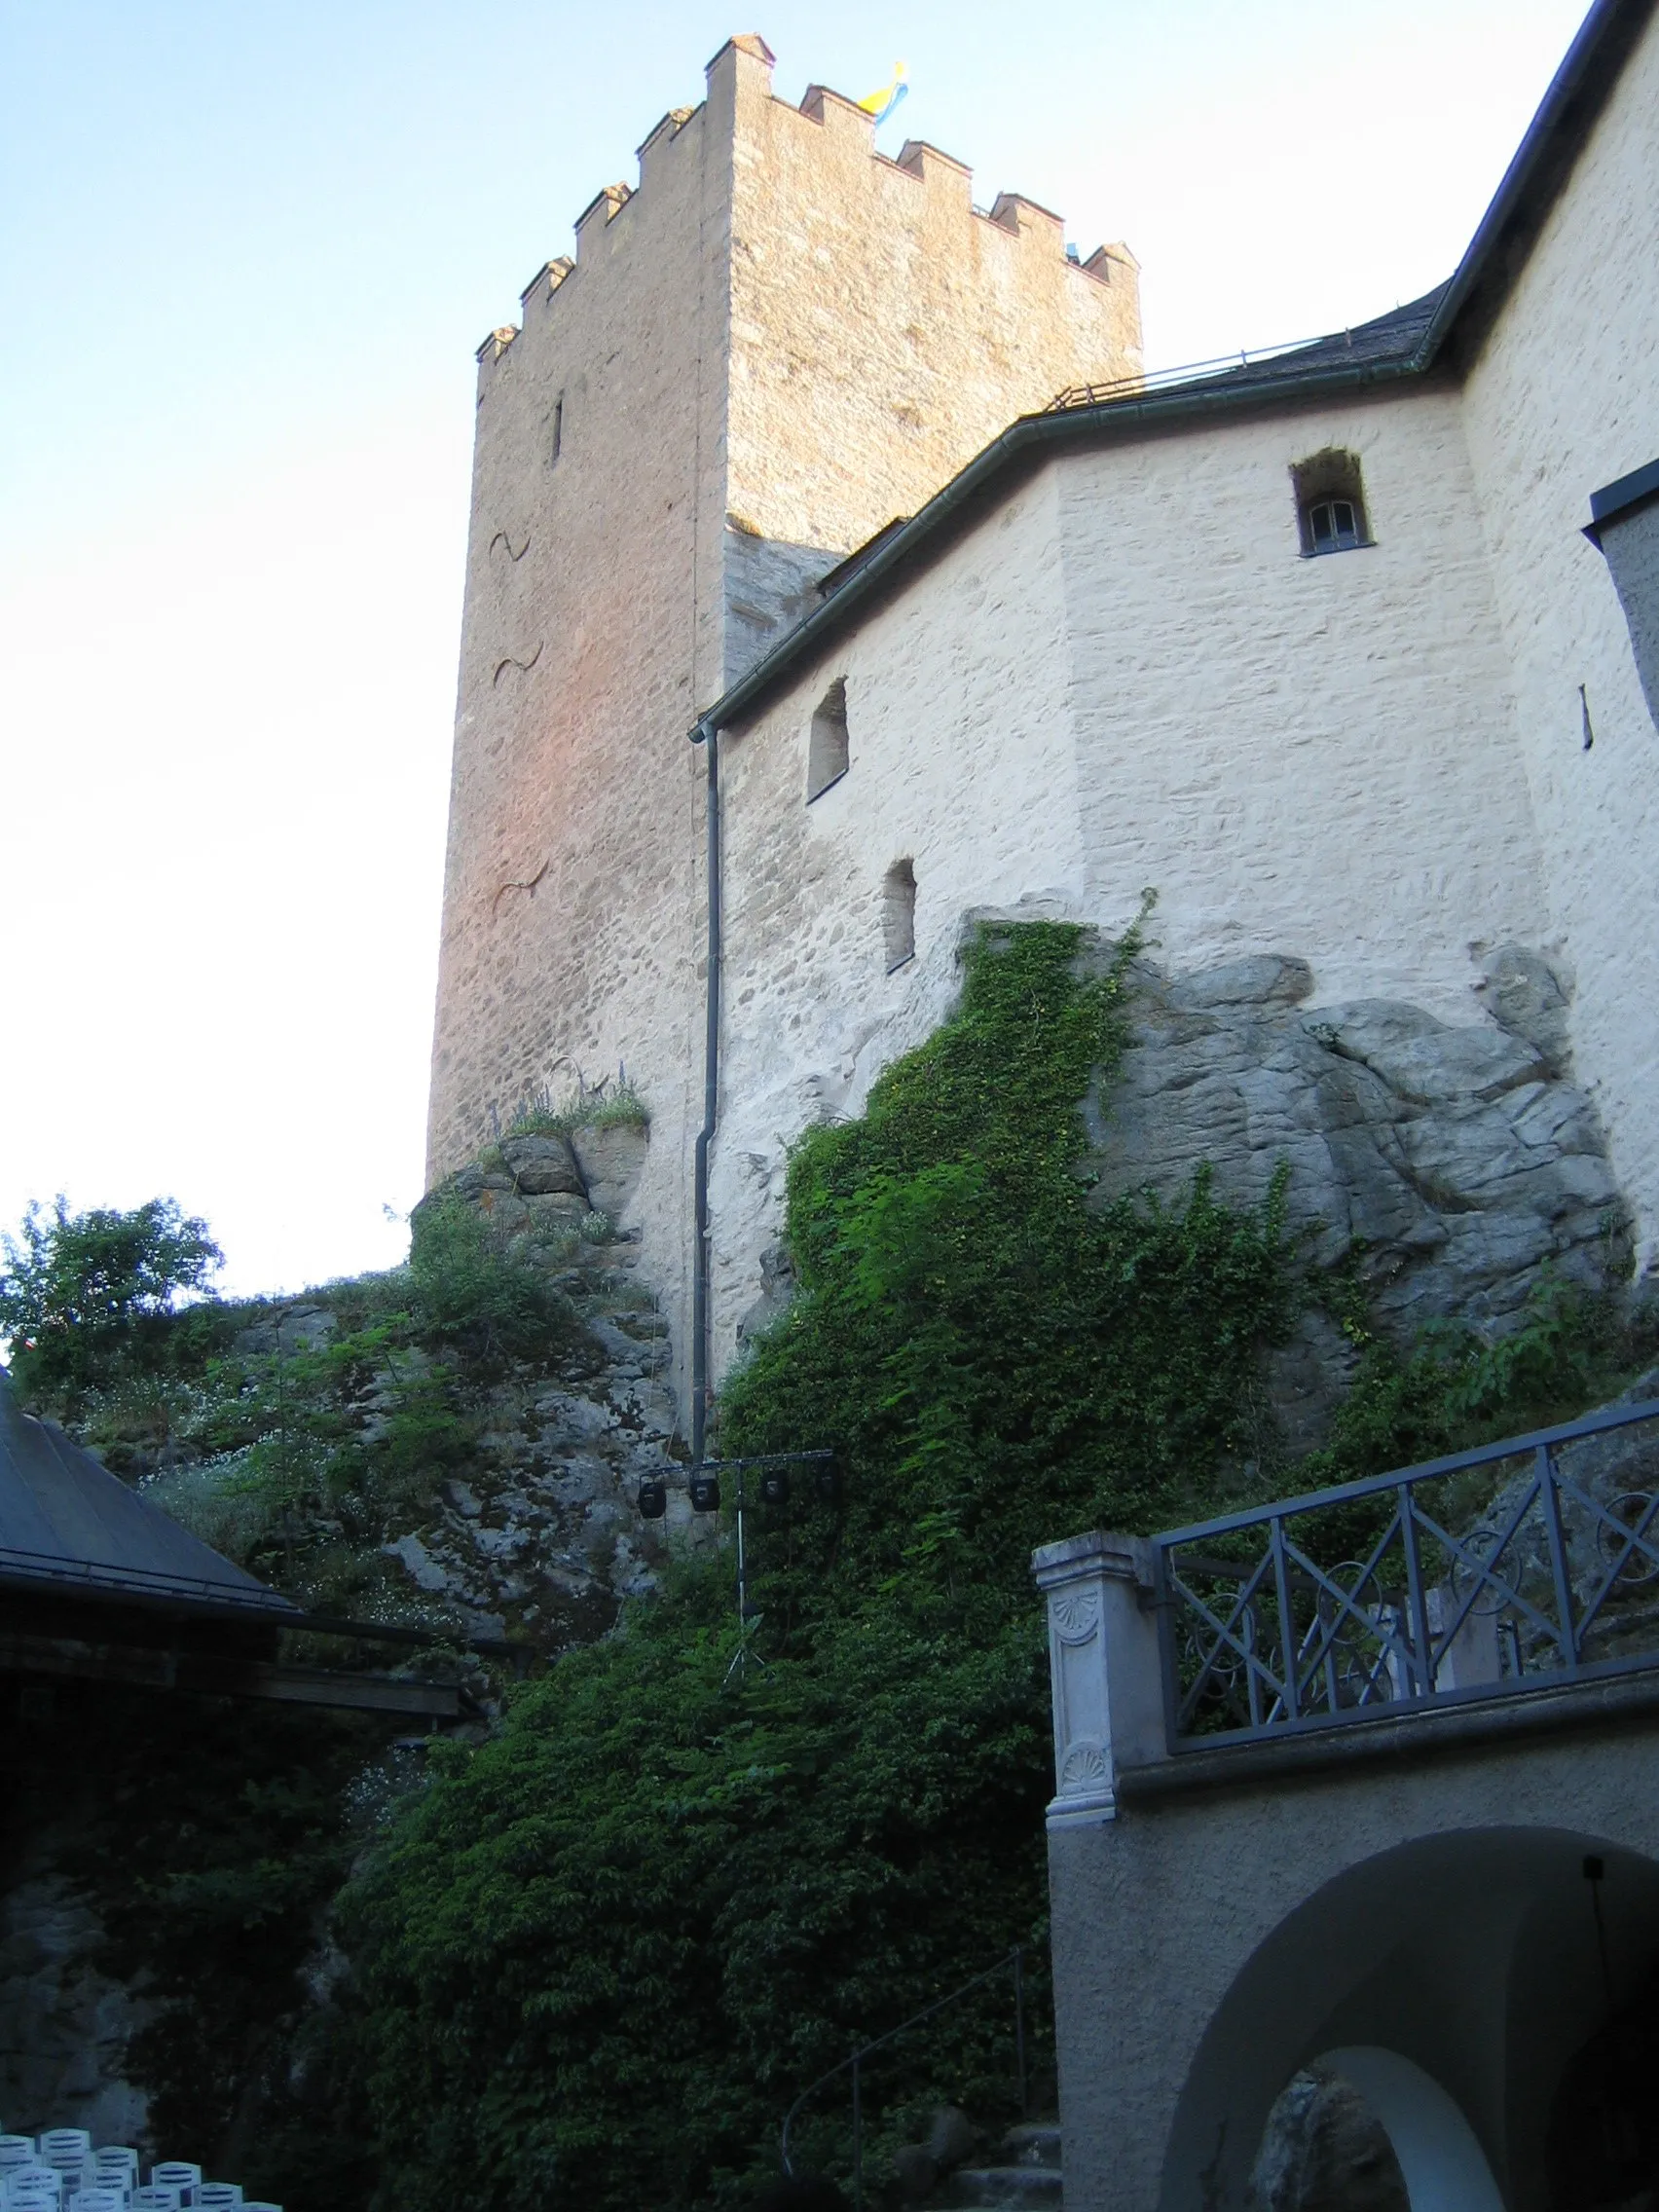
(88, 1297)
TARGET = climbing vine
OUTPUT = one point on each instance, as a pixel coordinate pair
(603, 1952)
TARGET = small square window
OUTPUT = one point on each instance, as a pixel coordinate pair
(1330, 502)
(1331, 526)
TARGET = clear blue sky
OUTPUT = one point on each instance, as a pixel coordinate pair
(246, 252)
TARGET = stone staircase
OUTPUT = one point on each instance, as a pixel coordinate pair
(1025, 2179)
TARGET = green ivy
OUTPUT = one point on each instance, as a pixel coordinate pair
(599, 1958)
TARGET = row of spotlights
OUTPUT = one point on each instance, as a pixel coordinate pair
(706, 1491)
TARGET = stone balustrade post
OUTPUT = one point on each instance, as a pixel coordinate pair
(1104, 1669)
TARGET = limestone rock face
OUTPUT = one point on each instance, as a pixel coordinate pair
(609, 1157)
(1324, 2150)
(63, 2025)
(1450, 1162)
(541, 1165)
(543, 1539)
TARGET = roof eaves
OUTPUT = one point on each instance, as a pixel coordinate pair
(1023, 443)
(1527, 190)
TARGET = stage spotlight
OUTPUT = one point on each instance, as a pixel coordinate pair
(774, 1486)
(653, 1498)
(705, 1494)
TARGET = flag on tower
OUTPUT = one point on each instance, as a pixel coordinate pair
(881, 105)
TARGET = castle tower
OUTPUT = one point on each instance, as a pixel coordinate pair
(777, 342)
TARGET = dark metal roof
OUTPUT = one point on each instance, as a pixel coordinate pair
(1441, 330)
(1390, 338)
(68, 1526)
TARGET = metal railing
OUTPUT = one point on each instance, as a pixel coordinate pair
(1149, 381)
(1513, 1567)
(1013, 1963)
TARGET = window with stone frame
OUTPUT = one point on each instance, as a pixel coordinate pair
(1330, 503)
(1624, 528)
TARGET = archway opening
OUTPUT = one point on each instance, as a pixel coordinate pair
(1363, 2129)
(1602, 2147)
(1481, 1960)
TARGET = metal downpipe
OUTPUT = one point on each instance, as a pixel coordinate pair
(707, 733)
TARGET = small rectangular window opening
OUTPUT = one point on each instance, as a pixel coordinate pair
(827, 746)
(557, 438)
(898, 914)
(1330, 502)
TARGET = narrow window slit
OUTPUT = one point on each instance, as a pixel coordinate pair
(898, 914)
(827, 747)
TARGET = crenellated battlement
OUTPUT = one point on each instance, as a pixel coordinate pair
(832, 136)
(742, 366)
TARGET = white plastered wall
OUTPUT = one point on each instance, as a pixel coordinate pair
(1127, 676)
(961, 762)
(1564, 399)
(1313, 757)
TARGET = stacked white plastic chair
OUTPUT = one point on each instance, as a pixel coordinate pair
(60, 2171)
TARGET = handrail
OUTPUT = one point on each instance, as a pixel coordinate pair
(1015, 1963)
(1279, 1639)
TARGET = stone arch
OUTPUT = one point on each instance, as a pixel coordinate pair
(1468, 1960)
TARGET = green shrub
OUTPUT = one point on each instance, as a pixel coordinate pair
(473, 1289)
(544, 1116)
(91, 1300)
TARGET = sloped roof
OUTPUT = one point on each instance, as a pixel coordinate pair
(1387, 338)
(1439, 332)
(67, 1525)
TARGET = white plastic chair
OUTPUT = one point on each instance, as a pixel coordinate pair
(115, 2166)
(29, 2189)
(179, 2174)
(218, 2195)
(17, 2150)
(154, 2199)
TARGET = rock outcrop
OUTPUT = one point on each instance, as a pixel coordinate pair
(544, 1535)
(1448, 1165)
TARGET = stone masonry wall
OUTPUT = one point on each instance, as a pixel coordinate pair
(883, 329)
(777, 339)
(590, 632)
(1317, 755)
(1564, 399)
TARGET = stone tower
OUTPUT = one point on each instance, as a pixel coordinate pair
(775, 343)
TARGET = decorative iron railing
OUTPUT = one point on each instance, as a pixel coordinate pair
(1523, 1564)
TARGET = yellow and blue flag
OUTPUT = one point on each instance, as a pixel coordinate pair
(881, 105)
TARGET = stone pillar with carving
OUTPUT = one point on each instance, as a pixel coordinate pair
(1104, 1669)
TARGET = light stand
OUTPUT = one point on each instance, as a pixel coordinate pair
(705, 1486)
